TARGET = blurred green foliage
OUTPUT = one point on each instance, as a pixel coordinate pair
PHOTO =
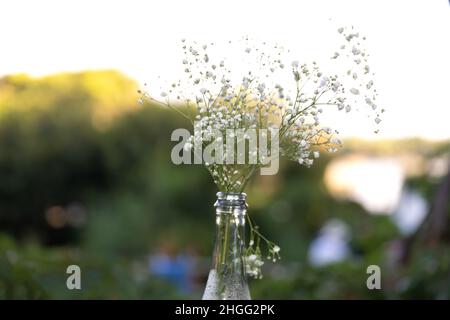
(86, 178)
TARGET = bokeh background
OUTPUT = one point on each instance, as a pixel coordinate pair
(86, 176)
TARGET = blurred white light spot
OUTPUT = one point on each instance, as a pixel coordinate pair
(375, 183)
(331, 245)
(411, 211)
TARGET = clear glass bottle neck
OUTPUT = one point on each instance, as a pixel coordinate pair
(232, 207)
(231, 210)
(227, 278)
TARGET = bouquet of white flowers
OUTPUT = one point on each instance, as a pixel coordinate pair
(225, 107)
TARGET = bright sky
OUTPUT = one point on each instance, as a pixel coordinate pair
(408, 41)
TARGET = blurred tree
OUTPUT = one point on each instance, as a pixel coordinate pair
(82, 164)
(50, 144)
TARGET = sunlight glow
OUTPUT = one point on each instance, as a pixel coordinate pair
(407, 41)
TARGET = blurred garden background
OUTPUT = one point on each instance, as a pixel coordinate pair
(86, 177)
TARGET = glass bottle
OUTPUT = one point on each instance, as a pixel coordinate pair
(227, 279)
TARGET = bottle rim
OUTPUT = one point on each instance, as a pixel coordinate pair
(231, 196)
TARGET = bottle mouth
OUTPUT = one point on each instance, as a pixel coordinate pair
(231, 196)
(227, 201)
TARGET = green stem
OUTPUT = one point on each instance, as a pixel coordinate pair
(225, 243)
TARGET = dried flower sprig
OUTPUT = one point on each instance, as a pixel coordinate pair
(219, 101)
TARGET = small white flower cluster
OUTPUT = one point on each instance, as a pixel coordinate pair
(254, 259)
(253, 264)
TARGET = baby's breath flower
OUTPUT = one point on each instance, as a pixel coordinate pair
(354, 91)
(253, 264)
